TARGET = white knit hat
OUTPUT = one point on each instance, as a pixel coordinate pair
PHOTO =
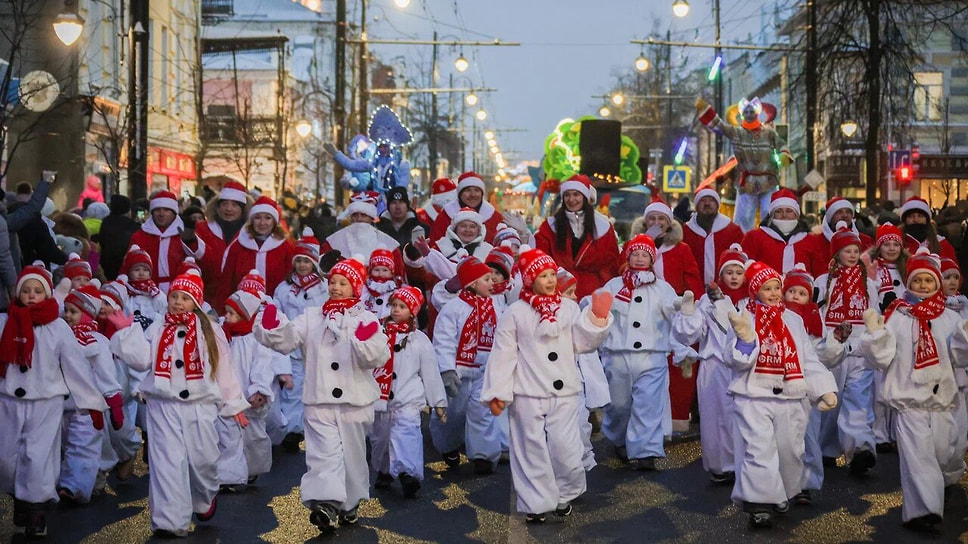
(467, 214)
(365, 203)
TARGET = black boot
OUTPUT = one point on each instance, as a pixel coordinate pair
(291, 442)
(451, 458)
(383, 480)
(324, 516)
(409, 484)
(925, 524)
(862, 461)
(36, 522)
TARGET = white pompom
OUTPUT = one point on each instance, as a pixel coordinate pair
(135, 247)
(841, 225)
(736, 247)
(74, 257)
(307, 232)
(799, 267)
(254, 272)
(748, 264)
(524, 247)
(359, 258)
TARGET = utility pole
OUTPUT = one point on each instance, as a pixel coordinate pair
(138, 39)
(340, 99)
(811, 83)
(364, 70)
(432, 141)
(720, 107)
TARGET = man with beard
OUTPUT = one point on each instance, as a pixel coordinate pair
(709, 233)
(783, 238)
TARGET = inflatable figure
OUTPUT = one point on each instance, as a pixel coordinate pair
(376, 163)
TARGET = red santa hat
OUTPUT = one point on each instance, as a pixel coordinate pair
(916, 204)
(235, 192)
(502, 259)
(733, 255)
(532, 262)
(381, 257)
(411, 296)
(253, 282)
(365, 203)
(798, 277)
(844, 237)
(134, 257)
(87, 299)
(784, 198)
(836, 204)
(307, 246)
(471, 269)
(163, 199)
(947, 265)
(115, 294)
(565, 280)
(582, 184)
(923, 261)
(703, 193)
(77, 267)
(467, 214)
(640, 241)
(39, 272)
(443, 191)
(505, 233)
(191, 284)
(244, 303)
(188, 264)
(759, 274)
(354, 271)
(265, 205)
(470, 179)
(659, 206)
(888, 232)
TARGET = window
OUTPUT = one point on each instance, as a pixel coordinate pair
(928, 91)
(164, 81)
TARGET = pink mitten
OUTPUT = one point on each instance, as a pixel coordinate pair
(601, 303)
(270, 317)
(364, 332)
(115, 403)
(120, 320)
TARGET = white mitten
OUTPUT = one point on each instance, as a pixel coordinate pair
(62, 290)
(742, 323)
(827, 402)
(873, 320)
(688, 306)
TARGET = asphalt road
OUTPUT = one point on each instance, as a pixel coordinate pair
(676, 504)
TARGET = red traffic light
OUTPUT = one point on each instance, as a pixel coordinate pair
(905, 174)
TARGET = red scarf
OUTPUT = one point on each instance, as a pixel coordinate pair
(500, 287)
(241, 327)
(632, 279)
(304, 283)
(478, 332)
(848, 299)
(143, 287)
(734, 295)
(190, 355)
(384, 374)
(546, 305)
(810, 313)
(333, 308)
(83, 330)
(106, 328)
(17, 340)
(885, 282)
(777, 364)
(927, 365)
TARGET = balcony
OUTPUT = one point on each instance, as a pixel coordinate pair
(234, 131)
(215, 10)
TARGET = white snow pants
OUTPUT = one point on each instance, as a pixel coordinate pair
(639, 416)
(122, 444)
(585, 434)
(883, 413)
(82, 445)
(850, 427)
(813, 455)
(30, 447)
(336, 469)
(546, 452)
(396, 443)
(926, 443)
(769, 449)
(716, 416)
(469, 422)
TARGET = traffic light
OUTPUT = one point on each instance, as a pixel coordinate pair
(905, 175)
(915, 159)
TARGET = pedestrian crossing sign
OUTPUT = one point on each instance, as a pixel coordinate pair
(676, 179)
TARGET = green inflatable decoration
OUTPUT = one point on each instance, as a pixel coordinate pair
(562, 159)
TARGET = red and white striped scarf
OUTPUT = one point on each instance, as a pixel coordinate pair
(478, 332)
(83, 330)
(384, 374)
(777, 364)
(547, 306)
(927, 364)
(304, 283)
(848, 298)
(146, 288)
(633, 279)
(885, 281)
(190, 356)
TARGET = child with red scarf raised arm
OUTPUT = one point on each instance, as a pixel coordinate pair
(846, 291)
(83, 442)
(917, 344)
(342, 344)
(306, 288)
(463, 336)
(707, 322)
(380, 283)
(776, 372)
(39, 366)
(635, 358)
(798, 288)
(534, 374)
(190, 383)
(408, 381)
(593, 396)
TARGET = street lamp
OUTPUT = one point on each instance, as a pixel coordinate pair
(642, 64)
(68, 25)
(604, 111)
(680, 8)
(489, 135)
(618, 99)
(481, 115)
(402, 4)
(849, 128)
(471, 99)
(461, 63)
(303, 128)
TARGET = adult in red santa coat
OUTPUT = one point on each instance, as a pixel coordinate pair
(442, 191)
(261, 245)
(783, 239)
(840, 209)
(579, 239)
(361, 236)
(225, 217)
(470, 194)
(161, 238)
(919, 230)
(709, 233)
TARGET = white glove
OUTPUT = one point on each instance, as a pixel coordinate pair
(742, 324)
(62, 290)
(827, 402)
(451, 382)
(873, 320)
(688, 305)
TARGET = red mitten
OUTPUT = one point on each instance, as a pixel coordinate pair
(270, 318)
(115, 403)
(497, 406)
(364, 332)
(120, 320)
(601, 303)
(97, 419)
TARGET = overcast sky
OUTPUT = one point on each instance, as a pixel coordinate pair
(570, 50)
